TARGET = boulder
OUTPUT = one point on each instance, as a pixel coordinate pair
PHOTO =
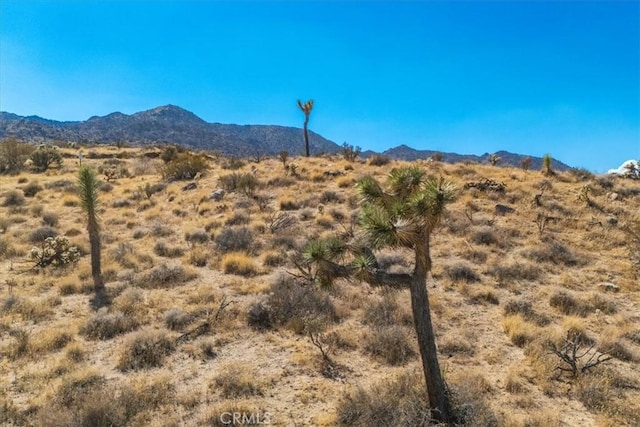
(503, 209)
(609, 287)
(190, 186)
(217, 195)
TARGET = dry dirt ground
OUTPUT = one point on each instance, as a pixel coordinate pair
(504, 288)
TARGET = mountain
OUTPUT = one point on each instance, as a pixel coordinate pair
(175, 125)
(167, 124)
(506, 158)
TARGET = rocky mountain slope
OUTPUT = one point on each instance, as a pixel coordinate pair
(174, 125)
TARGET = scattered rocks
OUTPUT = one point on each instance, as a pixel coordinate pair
(217, 195)
(486, 184)
(333, 173)
(609, 287)
(503, 209)
(190, 186)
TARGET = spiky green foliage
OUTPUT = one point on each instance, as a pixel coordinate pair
(88, 192)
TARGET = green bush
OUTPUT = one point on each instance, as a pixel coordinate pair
(45, 156)
(184, 166)
(13, 154)
(55, 251)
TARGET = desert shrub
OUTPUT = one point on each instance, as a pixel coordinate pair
(104, 325)
(555, 253)
(245, 183)
(524, 308)
(7, 250)
(519, 331)
(234, 239)
(145, 349)
(13, 154)
(291, 303)
(177, 318)
(163, 276)
(397, 402)
(13, 198)
(184, 166)
(258, 316)
(232, 163)
(197, 236)
(618, 350)
(515, 272)
(379, 160)
(568, 304)
(484, 236)
(162, 249)
(451, 346)
(160, 230)
(32, 189)
(238, 218)
(469, 397)
(390, 343)
(237, 381)
(273, 259)
(239, 263)
(386, 312)
(605, 305)
(330, 197)
(42, 233)
(50, 219)
(45, 156)
(198, 257)
(461, 272)
(88, 400)
(288, 204)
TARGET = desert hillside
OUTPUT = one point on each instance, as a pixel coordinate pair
(211, 310)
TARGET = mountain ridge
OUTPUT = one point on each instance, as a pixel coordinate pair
(171, 124)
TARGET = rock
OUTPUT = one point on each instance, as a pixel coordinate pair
(609, 287)
(190, 186)
(217, 195)
(614, 196)
(503, 209)
(612, 220)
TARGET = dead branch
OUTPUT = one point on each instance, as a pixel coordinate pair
(207, 325)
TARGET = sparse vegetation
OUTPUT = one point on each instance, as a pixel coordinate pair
(296, 269)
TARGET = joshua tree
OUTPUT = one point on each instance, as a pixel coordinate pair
(403, 216)
(494, 159)
(88, 192)
(546, 164)
(306, 109)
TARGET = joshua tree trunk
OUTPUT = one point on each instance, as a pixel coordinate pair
(306, 135)
(436, 389)
(96, 269)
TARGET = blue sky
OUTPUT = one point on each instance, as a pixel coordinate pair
(469, 77)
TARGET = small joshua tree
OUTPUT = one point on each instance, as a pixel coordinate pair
(88, 192)
(494, 159)
(546, 165)
(306, 109)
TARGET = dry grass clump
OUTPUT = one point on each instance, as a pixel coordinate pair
(29, 309)
(568, 304)
(470, 397)
(88, 399)
(618, 350)
(104, 325)
(386, 312)
(13, 198)
(292, 304)
(390, 343)
(456, 345)
(39, 235)
(399, 401)
(461, 272)
(162, 249)
(519, 331)
(163, 276)
(554, 252)
(237, 380)
(515, 272)
(145, 349)
(524, 308)
(240, 264)
(176, 319)
(231, 239)
(32, 189)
